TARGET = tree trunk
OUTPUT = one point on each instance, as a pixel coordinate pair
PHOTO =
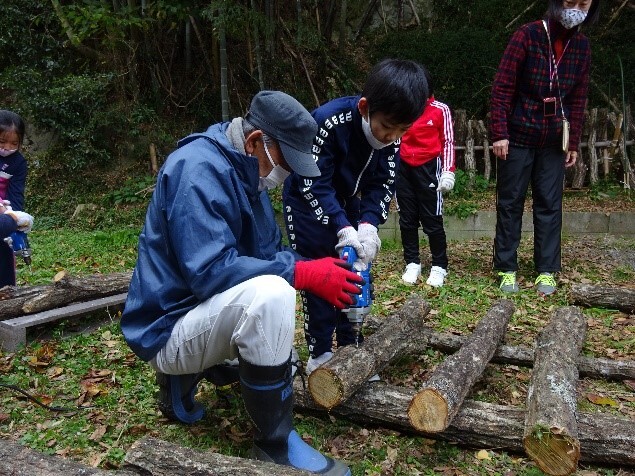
(579, 171)
(603, 121)
(341, 40)
(18, 460)
(487, 171)
(368, 13)
(17, 301)
(470, 159)
(551, 429)
(153, 457)
(334, 382)
(258, 53)
(603, 439)
(434, 406)
(613, 297)
(593, 155)
(224, 89)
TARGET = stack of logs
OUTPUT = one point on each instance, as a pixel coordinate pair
(550, 430)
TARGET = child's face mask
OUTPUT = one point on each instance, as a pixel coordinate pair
(368, 133)
(7, 152)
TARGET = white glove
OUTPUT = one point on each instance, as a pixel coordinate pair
(347, 236)
(22, 219)
(446, 182)
(369, 239)
(6, 204)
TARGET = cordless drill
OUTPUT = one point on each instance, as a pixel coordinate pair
(358, 311)
(19, 243)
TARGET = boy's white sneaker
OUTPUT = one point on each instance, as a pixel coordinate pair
(316, 362)
(437, 276)
(412, 273)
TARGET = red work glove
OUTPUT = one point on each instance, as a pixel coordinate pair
(329, 279)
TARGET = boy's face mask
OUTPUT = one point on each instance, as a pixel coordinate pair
(368, 133)
(7, 152)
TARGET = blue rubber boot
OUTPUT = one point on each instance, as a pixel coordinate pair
(268, 396)
(177, 392)
(176, 397)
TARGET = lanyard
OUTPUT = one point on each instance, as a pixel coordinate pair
(555, 71)
(553, 64)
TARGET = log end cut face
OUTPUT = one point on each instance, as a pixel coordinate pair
(555, 454)
(326, 388)
(428, 411)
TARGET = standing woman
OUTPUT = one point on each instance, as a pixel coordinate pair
(541, 85)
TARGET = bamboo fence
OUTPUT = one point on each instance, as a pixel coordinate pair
(603, 154)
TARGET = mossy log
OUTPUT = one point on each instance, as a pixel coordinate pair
(551, 430)
(351, 366)
(438, 401)
(153, 457)
(603, 439)
(19, 460)
(612, 297)
(17, 301)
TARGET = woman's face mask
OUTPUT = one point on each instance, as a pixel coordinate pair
(274, 178)
(572, 17)
(368, 133)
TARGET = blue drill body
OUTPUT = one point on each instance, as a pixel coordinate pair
(358, 311)
(19, 243)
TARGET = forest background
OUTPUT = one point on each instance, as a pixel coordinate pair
(106, 86)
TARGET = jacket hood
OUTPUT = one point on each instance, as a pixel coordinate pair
(246, 167)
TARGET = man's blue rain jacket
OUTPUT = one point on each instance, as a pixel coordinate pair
(207, 229)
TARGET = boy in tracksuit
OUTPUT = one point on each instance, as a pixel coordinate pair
(426, 171)
(357, 151)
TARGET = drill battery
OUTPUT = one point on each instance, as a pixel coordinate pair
(358, 311)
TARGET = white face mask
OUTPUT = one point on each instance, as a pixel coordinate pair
(368, 133)
(572, 17)
(7, 152)
(274, 178)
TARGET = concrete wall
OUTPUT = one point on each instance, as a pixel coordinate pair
(482, 225)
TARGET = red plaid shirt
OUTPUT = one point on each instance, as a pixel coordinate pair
(522, 82)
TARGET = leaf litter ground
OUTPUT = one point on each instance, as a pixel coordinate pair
(115, 391)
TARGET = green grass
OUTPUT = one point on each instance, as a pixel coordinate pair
(113, 392)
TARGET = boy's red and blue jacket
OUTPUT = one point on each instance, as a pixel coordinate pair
(350, 167)
(207, 229)
(522, 82)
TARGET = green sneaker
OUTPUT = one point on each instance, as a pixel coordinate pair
(508, 282)
(545, 284)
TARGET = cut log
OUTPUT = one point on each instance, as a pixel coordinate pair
(612, 297)
(154, 457)
(18, 460)
(17, 301)
(603, 439)
(551, 430)
(351, 366)
(438, 401)
(591, 367)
